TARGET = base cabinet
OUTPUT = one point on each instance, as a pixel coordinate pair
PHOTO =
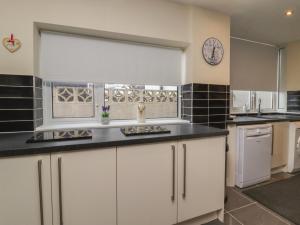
(163, 183)
(147, 184)
(146, 174)
(201, 177)
(280, 144)
(84, 187)
(25, 191)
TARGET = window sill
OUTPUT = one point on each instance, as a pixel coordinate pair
(113, 123)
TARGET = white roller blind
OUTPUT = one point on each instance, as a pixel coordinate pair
(253, 66)
(65, 57)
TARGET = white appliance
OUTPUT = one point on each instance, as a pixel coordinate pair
(294, 148)
(254, 154)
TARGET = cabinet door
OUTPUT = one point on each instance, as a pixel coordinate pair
(84, 187)
(146, 178)
(25, 190)
(280, 144)
(201, 174)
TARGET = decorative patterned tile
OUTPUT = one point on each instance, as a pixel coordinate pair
(118, 95)
(161, 96)
(148, 96)
(133, 95)
(65, 94)
(85, 94)
(73, 101)
(172, 96)
(160, 101)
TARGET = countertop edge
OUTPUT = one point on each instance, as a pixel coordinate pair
(105, 144)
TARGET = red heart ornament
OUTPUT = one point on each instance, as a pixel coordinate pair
(11, 46)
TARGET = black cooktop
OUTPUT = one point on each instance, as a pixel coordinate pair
(143, 130)
(60, 135)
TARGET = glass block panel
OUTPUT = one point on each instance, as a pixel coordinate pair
(160, 101)
(72, 100)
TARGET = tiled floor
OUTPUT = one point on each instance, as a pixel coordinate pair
(241, 210)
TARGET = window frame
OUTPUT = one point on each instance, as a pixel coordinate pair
(99, 100)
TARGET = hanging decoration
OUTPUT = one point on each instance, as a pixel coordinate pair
(11, 43)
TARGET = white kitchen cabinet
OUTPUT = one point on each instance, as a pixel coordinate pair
(201, 172)
(25, 190)
(280, 144)
(147, 184)
(84, 187)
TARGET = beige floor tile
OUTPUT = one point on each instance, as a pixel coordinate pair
(229, 220)
(235, 200)
(255, 215)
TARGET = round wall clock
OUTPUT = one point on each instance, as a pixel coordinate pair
(213, 51)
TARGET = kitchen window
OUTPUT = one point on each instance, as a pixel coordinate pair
(248, 101)
(81, 102)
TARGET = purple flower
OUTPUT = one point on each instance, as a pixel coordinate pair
(105, 108)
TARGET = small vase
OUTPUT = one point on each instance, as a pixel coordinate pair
(105, 120)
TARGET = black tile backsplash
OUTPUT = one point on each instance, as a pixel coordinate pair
(217, 103)
(217, 95)
(39, 113)
(186, 87)
(20, 103)
(15, 115)
(16, 80)
(200, 87)
(200, 111)
(16, 126)
(38, 82)
(218, 111)
(200, 103)
(206, 104)
(216, 118)
(16, 103)
(15, 92)
(217, 88)
(187, 95)
(200, 119)
(186, 103)
(38, 93)
(200, 95)
(38, 103)
(293, 101)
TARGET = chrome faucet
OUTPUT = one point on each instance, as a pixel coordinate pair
(259, 107)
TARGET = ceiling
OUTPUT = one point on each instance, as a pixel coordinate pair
(258, 20)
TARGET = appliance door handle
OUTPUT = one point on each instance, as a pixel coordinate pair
(173, 173)
(259, 136)
(60, 191)
(184, 171)
(41, 191)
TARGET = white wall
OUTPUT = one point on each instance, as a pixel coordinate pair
(205, 24)
(159, 20)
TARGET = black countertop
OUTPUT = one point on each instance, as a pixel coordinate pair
(15, 144)
(268, 118)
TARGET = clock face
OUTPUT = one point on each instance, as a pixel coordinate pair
(213, 51)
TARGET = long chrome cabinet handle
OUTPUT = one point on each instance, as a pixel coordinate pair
(272, 152)
(60, 192)
(184, 171)
(41, 191)
(173, 174)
